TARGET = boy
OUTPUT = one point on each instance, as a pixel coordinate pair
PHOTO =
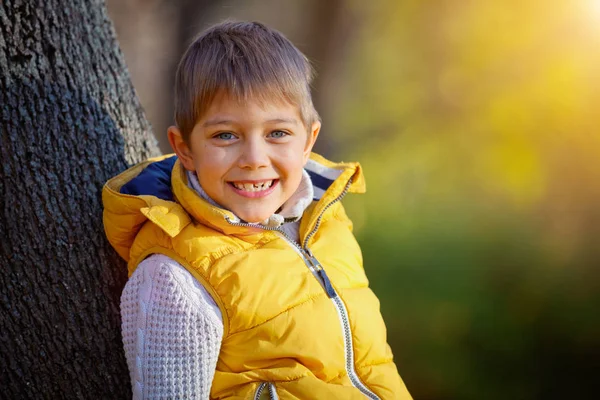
(245, 278)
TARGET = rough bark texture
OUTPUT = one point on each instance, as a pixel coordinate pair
(70, 119)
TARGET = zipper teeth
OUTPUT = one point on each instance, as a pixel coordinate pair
(349, 353)
(273, 392)
(267, 228)
(260, 390)
(270, 389)
(340, 197)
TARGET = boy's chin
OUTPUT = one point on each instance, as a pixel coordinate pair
(253, 217)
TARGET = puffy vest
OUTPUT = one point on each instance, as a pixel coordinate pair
(300, 321)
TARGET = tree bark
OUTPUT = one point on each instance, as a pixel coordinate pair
(70, 119)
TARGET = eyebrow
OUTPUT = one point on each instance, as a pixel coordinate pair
(282, 120)
(212, 122)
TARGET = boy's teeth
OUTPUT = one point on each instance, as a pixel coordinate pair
(253, 187)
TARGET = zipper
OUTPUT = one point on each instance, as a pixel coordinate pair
(319, 272)
(270, 388)
(311, 262)
(337, 199)
(345, 322)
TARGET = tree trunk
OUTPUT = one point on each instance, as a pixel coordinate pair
(70, 119)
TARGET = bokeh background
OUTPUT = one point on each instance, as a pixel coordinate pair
(477, 123)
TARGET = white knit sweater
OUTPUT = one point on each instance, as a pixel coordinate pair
(171, 326)
(172, 332)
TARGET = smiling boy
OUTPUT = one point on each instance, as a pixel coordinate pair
(245, 278)
(239, 166)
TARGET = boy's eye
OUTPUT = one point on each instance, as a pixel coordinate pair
(277, 134)
(225, 136)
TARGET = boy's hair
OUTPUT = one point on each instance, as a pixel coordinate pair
(246, 60)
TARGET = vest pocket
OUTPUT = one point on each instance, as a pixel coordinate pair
(266, 391)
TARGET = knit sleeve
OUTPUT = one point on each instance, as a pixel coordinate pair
(172, 331)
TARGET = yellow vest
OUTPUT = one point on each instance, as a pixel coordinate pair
(300, 321)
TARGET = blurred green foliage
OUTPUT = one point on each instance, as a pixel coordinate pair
(477, 125)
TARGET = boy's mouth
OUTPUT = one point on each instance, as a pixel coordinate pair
(253, 186)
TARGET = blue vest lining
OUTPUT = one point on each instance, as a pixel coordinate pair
(154, 180)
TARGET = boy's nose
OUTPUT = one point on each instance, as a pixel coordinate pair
(254, 155)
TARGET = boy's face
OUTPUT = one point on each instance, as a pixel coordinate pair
(248, 157)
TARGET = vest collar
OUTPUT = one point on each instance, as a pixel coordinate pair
(200, 209)
(148, 190)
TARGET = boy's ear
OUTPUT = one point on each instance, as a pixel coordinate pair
(311, 139)
(180, 147)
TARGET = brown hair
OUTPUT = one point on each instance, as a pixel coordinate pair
(246, 60)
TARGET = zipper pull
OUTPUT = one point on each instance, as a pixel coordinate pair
(322, 274)
(326, 283)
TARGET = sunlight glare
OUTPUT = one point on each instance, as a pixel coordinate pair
(594, 8)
